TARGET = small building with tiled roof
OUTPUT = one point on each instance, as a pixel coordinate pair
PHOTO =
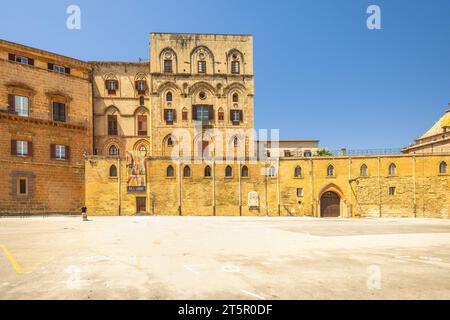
(435, 140)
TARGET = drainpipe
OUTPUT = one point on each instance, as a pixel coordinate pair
(214, 184)
(119, 194)
(240, 189)
(414, 187)
(311, 175)
(379, 187)
(350, 206)
(278, 186)
(179, 187)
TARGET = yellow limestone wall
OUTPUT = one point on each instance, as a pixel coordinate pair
(421, 191)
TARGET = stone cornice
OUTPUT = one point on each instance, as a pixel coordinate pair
(43, 122)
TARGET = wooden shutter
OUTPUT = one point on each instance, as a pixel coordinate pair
(50, 66)
(30, 148)
(174, 112)
(194, 113)
(241, 116)
(14, 147)
(12, 57)
(11, 103)
(53, 151)
(67, 152)
(165, 115)
(184, 115)
(136, 85)
(211, 112)
(31, 62)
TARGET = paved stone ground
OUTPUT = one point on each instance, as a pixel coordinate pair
(224, 258)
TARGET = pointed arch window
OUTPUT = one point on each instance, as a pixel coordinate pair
(170, 142)
(272, 171)
(330, 171)
(169, 97)
(298, 172)
(113, 171)
(187, 172)
(142, 101)
(244, 171)
(392, 169)
(113, 150)
(363, 171)
(221, 115)
(228, 171)
(170, 172)
(443, 167)
(235, 97)
(207, 171)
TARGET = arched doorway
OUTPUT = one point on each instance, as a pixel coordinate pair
(330, 205)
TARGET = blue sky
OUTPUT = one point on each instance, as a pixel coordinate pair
(320, 73)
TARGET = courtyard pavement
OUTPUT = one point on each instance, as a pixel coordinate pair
(224, 258)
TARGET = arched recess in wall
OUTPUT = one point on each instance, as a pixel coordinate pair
(168, 54)
(202, 54)
(169, 86)
(142, 146)
(201, 86)
(110, 143)
(168, 145)
(235, 56)
(204, 145)
(235, 87)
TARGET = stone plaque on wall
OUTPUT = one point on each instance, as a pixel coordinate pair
(253, 199)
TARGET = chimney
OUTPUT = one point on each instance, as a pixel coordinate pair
(344, 152)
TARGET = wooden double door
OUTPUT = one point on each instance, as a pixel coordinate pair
(330, 205)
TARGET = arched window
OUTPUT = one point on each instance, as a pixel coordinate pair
(363, 171)
(169, 97)
(113, 171)
(298, 172)
(392, 169)
(236, 142)
(113, 150)
(207, 171)
(141, 100)
(170, 142)
(244, 172)
(228, 171)
(235, 67)
(187, 172)
(235, 97)
(170, 171)
(272, 171)
(330, 171)
(443, 167)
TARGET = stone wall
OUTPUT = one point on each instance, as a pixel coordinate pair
(420, 190)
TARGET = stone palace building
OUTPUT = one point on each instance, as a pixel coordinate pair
(175, 136)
